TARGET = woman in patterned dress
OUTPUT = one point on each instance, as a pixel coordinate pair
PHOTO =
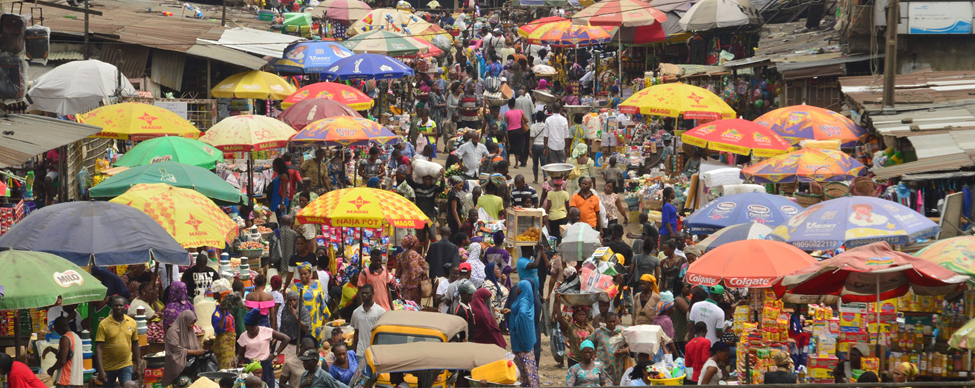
(611, 358)
(224, 345)
(412, 269)
(313, 298)
(588, 372)
(499, 293)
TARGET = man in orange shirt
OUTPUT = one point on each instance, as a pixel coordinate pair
(587, 203)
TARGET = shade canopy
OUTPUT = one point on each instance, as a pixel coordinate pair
(137, 121)
(678, 99)
(747, 264)
(739, 232)
(363, 207)
(190, 217)
(310, 57)
(175, 174)
(806, 122)
(171, 148)
(77, 87)
(738, 136)
(342, 93)
(38, 279)
(248, 133)
(253, 84)
(805, 165)
(712, 14)
(305, 112)
(367, 66)
(769, 209)
(345, 131)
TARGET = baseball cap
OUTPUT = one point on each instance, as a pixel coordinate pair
(309, 355)
(465, 267)
(719, 289)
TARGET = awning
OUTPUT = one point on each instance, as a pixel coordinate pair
(258, 42)
(819, 68)
(226, 55)
(24, 136)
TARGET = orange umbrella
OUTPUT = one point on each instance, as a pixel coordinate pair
(527, 29)
(748, 264)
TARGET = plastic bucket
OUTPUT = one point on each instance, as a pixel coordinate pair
(671, 381)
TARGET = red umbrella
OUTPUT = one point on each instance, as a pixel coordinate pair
(748, 264)
(872, 273)
(527, 29)
(311, 110)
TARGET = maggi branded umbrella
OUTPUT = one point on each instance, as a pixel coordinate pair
(253, 84)
(137, 121)
(248, 133)
(678, 99)
(363, 208)
(190, 217)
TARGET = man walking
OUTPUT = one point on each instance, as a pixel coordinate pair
(471, 153)
(364, 319)
(117, 346)
(441, 252)
(556, 131)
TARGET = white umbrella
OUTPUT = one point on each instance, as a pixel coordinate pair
(77, 87)
(710, 14)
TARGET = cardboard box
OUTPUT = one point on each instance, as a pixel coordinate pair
(603, 253)
(826, 347)
(821, 373)
(823, 362)
(851, 322)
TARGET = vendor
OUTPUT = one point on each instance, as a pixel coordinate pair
(647, 299)
(904, 372)
(782, 374)
(844, 370)
(711, 372)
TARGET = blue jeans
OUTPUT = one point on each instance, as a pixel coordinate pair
(122, 375)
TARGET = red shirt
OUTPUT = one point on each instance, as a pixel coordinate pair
(20, 376)
(696, 353)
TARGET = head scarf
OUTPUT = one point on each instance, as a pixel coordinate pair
(221, 286)
(523, 319)
(782, 360)
(408, 241)
(304, 266)
(663, 306)
(587, 344)
(178, 303)
(485, 329)
(489, 275)
(568, 89)
(402, 169)
(351, 271)
(275, 282)
(498, 237)
(650, 279)
(253, 318)
(229, 301)
(373, 182)
(579, 150)
(542, 84)
(692, 250)
(666, 296)
(180, 338)
(907, 369)
(250, 368)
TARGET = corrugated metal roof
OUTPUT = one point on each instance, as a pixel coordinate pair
(131, 59)
(167, 68)
(25, 136)
(937, 152)
(791, 42)
(263, 43)
(227, 55)
(919, 90)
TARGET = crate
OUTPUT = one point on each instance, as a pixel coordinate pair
(651, 205)
(524, 226)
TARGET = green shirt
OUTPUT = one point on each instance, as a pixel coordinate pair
(492, 204)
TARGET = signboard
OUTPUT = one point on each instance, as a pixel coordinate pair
(939, 18)
(179, 108)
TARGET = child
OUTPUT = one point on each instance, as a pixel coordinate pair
(612, 172)
(468, 226)
(697, 351)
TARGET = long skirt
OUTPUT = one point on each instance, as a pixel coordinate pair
(224, 349)
(525, 361)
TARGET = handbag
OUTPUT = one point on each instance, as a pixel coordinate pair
(426, 288)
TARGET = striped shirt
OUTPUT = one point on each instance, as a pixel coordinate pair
(526, 197)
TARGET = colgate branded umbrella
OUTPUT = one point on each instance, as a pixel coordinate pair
(748, 264)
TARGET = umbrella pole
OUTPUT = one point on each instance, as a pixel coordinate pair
(17, 333)
(877, 343)
(250, 180)
(619, 58)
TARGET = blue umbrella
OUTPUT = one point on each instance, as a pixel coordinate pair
(768, 209)
(855, 221)
(310, 57)
(749, 231)
(105, 233)
(366, 66)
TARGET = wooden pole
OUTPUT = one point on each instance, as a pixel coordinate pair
(86, 52)
(890, 55)
(223, 14)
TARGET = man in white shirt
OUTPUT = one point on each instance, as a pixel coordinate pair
(556, 131)
(364, 319)
(471, 154)
(709, 313)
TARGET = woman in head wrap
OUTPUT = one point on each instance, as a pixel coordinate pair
(543, 85)
(498, 255)
(782, 373)
(181, 342)
(664, 309)
(350, 289)
(610, 350)
(413, 268)
(224, 326)
(373, 183)
(576, 330)
(178, 303)
(312, 296)
(581, 161)
(455, 206)
(296, 324)
(522, 326)
(496, 289)
(588, 372)
(646, 300)
(905, 372)
(484, 329)
(255, 345)
(570, 97)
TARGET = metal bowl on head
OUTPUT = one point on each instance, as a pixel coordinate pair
(557, 170)
(251, 253)
(477, 383)
(586, 299)
(577, 109)
(497, 101)
(544, 97)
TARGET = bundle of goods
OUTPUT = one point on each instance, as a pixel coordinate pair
(595, 278)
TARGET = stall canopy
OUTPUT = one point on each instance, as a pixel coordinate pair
(25, 136)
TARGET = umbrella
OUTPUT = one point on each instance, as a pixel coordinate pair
(433, 4)
(171, 148)
(655, 32)
(738, 136)
(77, 87)
(310, 57)
(248, 133)
(769, 209)
(565, 34)
(956, 254)
(872, 271)
(342, 10)
(174, 174)
(747, 264)
(305, 112)
(253, 84)
(673, 5)
(345, 131)
(385, 43)
(394, 20)
(38, 279)
(527, 29)
(363, 207)
(579, 242)
(137, 121)
(961, 338)
(619, 13)
(190, 217)
(678, 99)
(855, 221)
(367, 66)
(740, 232)
(805, 165)
(343, 93)
(711, 14)
(102, 233)
(441, 42)
(802, 122)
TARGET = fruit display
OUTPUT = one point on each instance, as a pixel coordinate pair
(532, 234)
(250, 245)
(264, 229)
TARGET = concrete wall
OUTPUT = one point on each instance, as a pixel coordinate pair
(938, 52)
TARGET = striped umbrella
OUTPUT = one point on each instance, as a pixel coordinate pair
(310, 57)
(801, 122)
(749, 231)
(342, 10)
(527, 29)
(565, 34)
(619, 13)
(346, 131)
(711, 14)
(385, 43)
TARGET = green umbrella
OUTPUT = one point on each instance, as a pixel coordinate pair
(385, 43)
(172, 148)
(37, 279)
(173, 174)
(964, 337)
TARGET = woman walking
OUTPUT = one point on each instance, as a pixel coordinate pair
(522, 321)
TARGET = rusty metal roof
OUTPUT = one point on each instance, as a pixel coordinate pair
(25, 136)
(935, 152)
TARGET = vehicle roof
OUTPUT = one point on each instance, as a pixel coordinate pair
(432, 355)
(448, 324)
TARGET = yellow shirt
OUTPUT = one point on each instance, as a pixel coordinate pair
(557, 210)
(118, 338)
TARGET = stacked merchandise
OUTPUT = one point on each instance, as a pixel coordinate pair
(351, 243)
(825, 332)
(924, 326)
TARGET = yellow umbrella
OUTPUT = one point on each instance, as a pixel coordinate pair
(253, 84)
(190, 217)
(248, 133)
(956, 254)
(137, 121)
(363, 207)
(678, 99)
(395, 20)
